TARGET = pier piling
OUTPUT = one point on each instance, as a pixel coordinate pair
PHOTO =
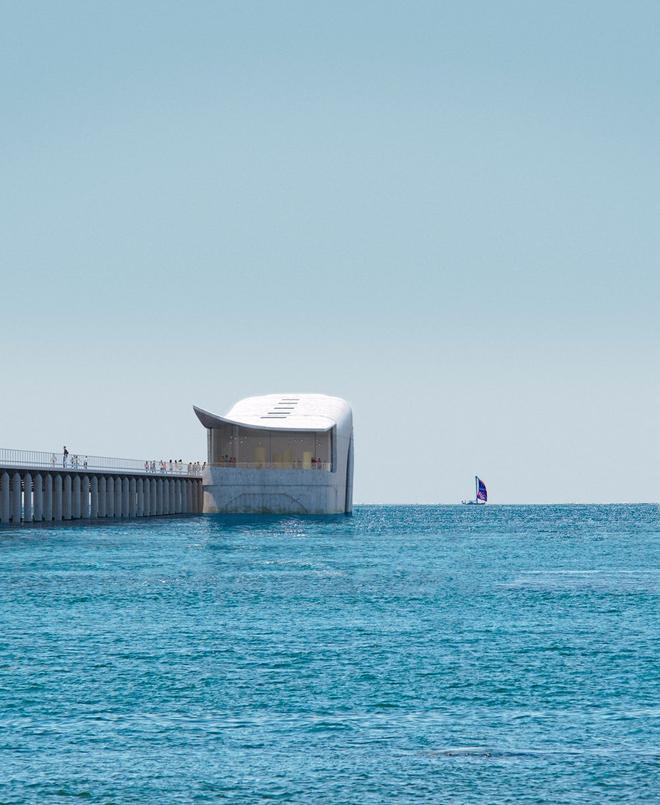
(5, 513)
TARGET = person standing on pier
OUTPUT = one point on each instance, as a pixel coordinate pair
(65, 456)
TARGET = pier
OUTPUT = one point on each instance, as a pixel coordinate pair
(39, 487)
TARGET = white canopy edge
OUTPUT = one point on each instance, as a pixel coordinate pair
(316, 422)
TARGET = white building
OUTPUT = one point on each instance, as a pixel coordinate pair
(280, 454)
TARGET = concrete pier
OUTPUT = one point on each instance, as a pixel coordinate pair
(94, 498)
(103, 509)
(110, 497)
(54, 493)
(48, 497)
(132, 498)
(118, 498)
(76, 498)
(84, 508)
(66, 509)
(27, 498)
(5, 498)
(57, 498)
(38, 497)
(139, 490)
(16, 497)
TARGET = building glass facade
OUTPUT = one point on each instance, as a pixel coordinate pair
(253, 448)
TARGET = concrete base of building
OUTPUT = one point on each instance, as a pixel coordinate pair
(232, 490)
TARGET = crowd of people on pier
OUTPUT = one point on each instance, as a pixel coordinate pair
(77, 462)
(178, 467)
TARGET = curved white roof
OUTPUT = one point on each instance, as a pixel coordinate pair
(283, 412)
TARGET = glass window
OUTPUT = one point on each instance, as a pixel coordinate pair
(235, 446)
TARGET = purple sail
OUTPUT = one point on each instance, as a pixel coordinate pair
(481, 490)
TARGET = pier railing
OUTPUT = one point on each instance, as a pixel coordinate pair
(83, 463)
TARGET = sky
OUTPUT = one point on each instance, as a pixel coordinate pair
(445, 212)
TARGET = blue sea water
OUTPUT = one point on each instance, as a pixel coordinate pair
(440, 654)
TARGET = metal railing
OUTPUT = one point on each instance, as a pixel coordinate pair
(274, 465)
(83, 463)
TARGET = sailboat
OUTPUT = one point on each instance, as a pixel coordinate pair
(480, 493)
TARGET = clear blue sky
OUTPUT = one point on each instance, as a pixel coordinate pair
(445, 212)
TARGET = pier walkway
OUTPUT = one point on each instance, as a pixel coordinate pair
(37, 487)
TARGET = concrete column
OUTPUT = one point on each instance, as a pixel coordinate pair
(5, 511)
(119, 498)
(132, 497)
(57, 498)
(159, 496)
(181, 496)
(16, 498)
(174, 496)
(94, 498)
(27, 498)
(191, 497)
(199, 508)
(125, 497)
(166, 496)
(139, 497)
(67, 504)
(154, 496)
(48, 497)
(110, 497)
(103, 497)
(84, 498)
(147, 497)
(38, 497)
(76, 498)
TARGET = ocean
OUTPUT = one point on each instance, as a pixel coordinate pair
(410, 653)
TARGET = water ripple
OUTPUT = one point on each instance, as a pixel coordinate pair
(414, 654)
